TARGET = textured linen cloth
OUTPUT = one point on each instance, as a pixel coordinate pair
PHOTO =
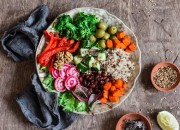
(39, 107)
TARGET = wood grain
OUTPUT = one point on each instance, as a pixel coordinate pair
(157, 27)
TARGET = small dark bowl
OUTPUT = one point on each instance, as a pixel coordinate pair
(155, 69)
(133, 116)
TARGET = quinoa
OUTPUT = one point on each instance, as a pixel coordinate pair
(166, 77)
(118, 64)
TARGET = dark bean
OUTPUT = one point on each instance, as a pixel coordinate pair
(101, 82)
(80, 79)
(82, 75)
(103, 74)
(107, 80)
(90, 91)
(88, 84)
(85, 83)
(93, 86)
(87, 77)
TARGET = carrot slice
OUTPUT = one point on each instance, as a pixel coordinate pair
(116, 43)
(112, 89)
(126, 40)
(113, 98)
(109, 44)
(103, 100)
(105, 94)
(118, 93)
(122, 46)
(107, 86)
(121, 35)
(132, 46)
(118, 83)
(125, 85)
(128, 50)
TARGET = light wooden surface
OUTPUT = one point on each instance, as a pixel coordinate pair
(157, 27)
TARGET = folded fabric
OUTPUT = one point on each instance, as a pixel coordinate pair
(20, 41)
(39, 107)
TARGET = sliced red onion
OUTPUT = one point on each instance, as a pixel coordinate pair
(62, 73)
(59, 85)
(72, 71)
(71, 82)
(78, 97)
(55, 73)
(82, 90)
(91, 99)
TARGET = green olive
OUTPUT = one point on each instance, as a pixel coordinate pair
(100, 33)
(102, 25)
(112, 30)
(106, 36)
(113, 37)
(92, 38)
(102, 43)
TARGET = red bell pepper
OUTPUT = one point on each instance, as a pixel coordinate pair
(75, 47)
(51, 63)
(50, 42)
(46, 34)
(44, 58)
(62, 42)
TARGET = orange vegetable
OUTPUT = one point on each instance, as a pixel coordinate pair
(113, 88)
(128, 50)
(125, 85)
(113, 98)
(121, 35)
(118, 93)
(132, 46)
(118, 83)
(105, 94)
(126, 40)
(107, 86)
(109, 44)
(116, 43)
(122, 46)
(103, 100)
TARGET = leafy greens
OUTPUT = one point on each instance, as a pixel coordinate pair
(65, 99)
(82, 26)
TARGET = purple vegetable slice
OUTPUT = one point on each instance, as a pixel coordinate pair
(71, 82)
(59, 85)
(79, 97)
(55, 73)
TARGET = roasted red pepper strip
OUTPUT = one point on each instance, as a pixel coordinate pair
(54, 45)
(62, 42)
(50, 42)
(75, 47)
(45, 57)
(70, 42)
(46, 34)
(51, 63)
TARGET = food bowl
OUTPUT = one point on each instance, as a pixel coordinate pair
(133, 116)
(111, 20)
(160, 65)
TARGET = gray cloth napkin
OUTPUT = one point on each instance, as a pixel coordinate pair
(39, 107)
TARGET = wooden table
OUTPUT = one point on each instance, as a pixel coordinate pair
(157, 27)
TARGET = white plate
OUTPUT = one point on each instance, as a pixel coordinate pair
(110, 20)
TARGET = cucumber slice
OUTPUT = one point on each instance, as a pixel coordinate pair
(101, 56)
(81, 67)
(90, 61)
(96, 66)
(95, 48)
(77, 59)
(84, 51)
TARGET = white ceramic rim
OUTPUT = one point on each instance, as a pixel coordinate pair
(85, 113)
